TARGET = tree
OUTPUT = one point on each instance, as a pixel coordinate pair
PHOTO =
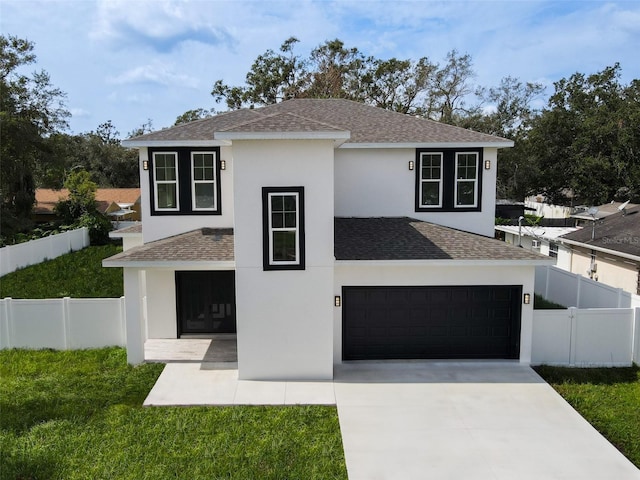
(192, 115)
(333, 70)
(449, 88)
(80, 209)
(586, 141)
(273, 77)
(31, 109)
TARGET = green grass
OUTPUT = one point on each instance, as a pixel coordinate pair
(609, 398)
(79, 274)
(78, 415)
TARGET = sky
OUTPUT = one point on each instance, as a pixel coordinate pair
(131, 61)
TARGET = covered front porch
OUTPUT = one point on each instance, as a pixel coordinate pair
(220, 350)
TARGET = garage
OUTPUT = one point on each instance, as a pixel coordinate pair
(431, 322)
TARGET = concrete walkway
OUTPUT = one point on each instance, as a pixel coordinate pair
(427, 420)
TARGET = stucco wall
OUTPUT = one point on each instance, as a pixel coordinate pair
(434, 275)
(284, 317)
(161, 303)
(157, 227)
(615, 272)
(378, 183)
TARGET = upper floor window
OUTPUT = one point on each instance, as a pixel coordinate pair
(431, 179)
(203, 193)
(185, 181)
(448, 180)
(283, 228)
(166, 180)
(553, 249)
(466, 179)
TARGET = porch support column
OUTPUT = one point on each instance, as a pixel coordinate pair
(133, 316)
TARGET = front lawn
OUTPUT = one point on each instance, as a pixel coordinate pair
(78, 274)
(78, 415)
(609, 398)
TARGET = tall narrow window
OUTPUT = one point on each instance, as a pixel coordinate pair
(431, 179)
(166, 180)
(283, 212)
(466, 191)
(203, 170)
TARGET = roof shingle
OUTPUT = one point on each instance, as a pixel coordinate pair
(403, 238)
(367, 124)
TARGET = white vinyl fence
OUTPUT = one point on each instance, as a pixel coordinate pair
(573, 290)
(606, 337)
(62, 323)
(13, 257)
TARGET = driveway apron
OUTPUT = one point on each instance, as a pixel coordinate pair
(458, 420)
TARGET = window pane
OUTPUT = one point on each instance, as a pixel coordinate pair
(166, 195)
(467, 166)
(465, 193)
(290, 220)
(284, 246)
(431, 165)
(290, 203)
(430, 193)
(204, 195)
(276, 203)
(277, 220)
(198, 173)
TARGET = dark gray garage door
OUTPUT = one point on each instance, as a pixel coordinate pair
(431, 322)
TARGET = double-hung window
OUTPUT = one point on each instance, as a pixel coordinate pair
(165, 166)
(448, 180)
(185, 181)
(466, 192)
(283, 225)
(203, 173)
(431, 179)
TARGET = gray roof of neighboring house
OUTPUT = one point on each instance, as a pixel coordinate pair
(619, 232)
(404, 238)
(366, 124)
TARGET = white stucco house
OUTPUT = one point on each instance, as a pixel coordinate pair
(321, 231)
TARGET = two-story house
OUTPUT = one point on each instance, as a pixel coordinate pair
(323, 230)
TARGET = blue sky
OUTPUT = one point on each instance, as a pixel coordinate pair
(132, 60)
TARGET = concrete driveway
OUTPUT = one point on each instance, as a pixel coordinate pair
(476, 420)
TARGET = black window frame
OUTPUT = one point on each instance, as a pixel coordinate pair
(266, 230)
(185, 181)
(448, 182)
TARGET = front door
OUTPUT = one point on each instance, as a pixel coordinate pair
(206, 302)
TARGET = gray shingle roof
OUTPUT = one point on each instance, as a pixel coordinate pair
(203, 245)
(617, 232)
(366, 124)
(404, 238)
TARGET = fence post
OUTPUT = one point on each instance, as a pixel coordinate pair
(546, 286)
(578, 291)
(7, 333)
(66, 321)
(572, 311)
(123, 324)
(635, 349)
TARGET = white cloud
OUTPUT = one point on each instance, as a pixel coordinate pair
(157, 73)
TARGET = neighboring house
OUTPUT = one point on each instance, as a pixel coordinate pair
(539, 239)
(323, 230)
(608, 249)
(119, 203)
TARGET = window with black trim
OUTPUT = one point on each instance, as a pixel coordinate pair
(185, 181)
(448, 180)
(283, 228)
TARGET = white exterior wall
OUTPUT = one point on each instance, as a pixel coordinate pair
(161, 304)
(435, 275)
(615, 272)
(284, 318)
(378, 183)
(162, 226)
